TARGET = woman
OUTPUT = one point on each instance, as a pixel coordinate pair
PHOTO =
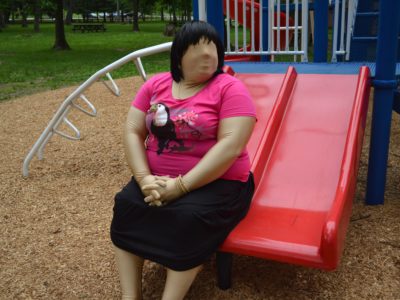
(185, 139)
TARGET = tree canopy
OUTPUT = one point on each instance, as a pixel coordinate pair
(96, 10)
(68, 11)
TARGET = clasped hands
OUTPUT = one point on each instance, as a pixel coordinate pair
(159, 190)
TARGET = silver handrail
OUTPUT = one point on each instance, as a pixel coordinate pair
(273, 33)
(64, 108)
(342, 37)
(350, 25)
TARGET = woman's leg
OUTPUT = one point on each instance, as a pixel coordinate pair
(178, 283)
(130, 269)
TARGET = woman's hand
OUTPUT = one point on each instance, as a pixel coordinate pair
(155, 181)
(162, 194)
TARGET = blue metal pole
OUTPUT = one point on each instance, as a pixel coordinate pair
(195, 6)
(215, 16)
(321, 8)
(385, 83)
(265, 29)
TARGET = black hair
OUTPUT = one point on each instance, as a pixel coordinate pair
(190, 34)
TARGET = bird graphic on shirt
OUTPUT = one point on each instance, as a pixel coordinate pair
(163, 127)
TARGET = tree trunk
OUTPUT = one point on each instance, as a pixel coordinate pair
(6, 17)
(174, 20)
(37, 13)
(162, 14)
(118, 12)
(70, 12)
(188, 12)
(135, 15)
(61, 42)
(2, 20)
(24, 18)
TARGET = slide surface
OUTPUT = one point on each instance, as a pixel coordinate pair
(305, 151)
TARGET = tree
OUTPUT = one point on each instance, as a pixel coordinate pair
(135, 15)
(37, 13)
(61, 42)
(186, 9)
(70, 10)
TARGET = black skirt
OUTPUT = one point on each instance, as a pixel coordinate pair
(184, 233)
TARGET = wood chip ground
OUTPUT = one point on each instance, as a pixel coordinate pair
(54, 237)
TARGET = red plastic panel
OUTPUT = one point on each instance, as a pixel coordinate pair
(293, 209)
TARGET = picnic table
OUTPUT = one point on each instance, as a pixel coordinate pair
(91, 27)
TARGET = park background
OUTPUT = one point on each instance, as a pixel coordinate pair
(54, 224)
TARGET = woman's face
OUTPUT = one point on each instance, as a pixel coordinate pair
(200, 61)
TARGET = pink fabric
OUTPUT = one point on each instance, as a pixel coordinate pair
(182, 131)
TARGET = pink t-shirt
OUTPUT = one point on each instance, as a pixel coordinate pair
(182, 131)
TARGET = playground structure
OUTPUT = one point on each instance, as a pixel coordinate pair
(306, 145)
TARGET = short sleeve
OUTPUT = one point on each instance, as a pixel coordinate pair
(143, 97)
(236, 100)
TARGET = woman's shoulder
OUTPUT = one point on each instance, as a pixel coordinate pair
(160, 78)
(225, 79)
(225, 82)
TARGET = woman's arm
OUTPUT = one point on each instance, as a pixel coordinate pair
(135, 133)
(233, 135)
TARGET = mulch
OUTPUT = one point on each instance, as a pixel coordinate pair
(55, 223)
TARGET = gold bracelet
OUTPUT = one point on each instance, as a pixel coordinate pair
(178, 185)
(182, 184)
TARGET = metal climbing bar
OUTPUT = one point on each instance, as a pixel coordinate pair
(61, 114)
(343, 27)
(113, 88)
(281, 32)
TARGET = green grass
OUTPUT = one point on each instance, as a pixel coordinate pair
(28, 63)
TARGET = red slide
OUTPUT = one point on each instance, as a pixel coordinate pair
(256, 27)
(305, 152)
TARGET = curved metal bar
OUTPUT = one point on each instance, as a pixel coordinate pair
(92, 113)
(139, 66)
(40, 152)
(67, 102)
(114, 89)
(51, 133)
(73, 127)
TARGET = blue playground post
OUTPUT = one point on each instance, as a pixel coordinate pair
(385, 84)
(215, 16)
(265, 29)
(321, 8)
(195, 7)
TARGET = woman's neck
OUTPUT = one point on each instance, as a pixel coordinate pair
(187, 84)
(186, 88)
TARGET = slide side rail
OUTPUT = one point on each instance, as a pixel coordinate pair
(334, 230)
(273, 124)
